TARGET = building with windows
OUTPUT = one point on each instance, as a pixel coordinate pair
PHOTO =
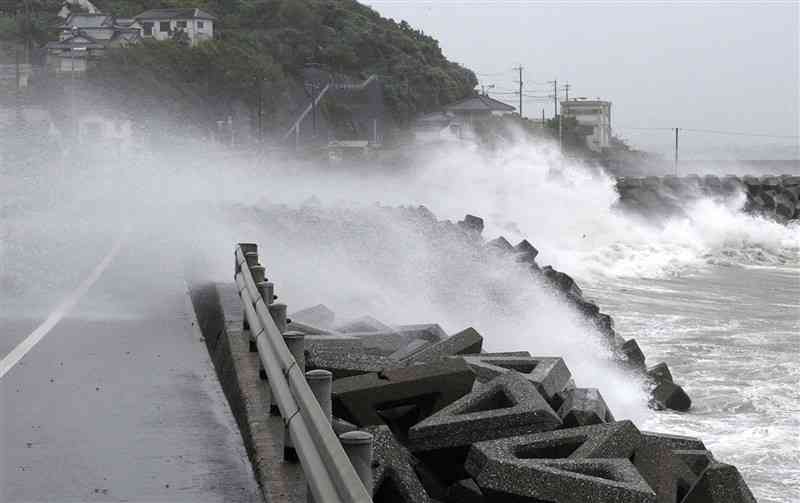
(84, 37)
(163, 24)
(595, 114)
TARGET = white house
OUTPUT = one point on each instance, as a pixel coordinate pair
(162, 24)
(595, 114)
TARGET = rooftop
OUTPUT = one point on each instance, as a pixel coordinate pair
(175, 14)
(584, 101)
(83, 20)
(479, 103)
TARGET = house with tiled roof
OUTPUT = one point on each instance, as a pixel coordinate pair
(454, 120)
(84, 37)
(163, 24)
(478, 106)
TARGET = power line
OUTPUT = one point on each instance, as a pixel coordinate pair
(735, 133)
(645, 128)
(710, 131)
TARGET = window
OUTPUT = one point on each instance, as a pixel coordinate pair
(163, 26)
(199, 25)
(180, 24)
(148, 29)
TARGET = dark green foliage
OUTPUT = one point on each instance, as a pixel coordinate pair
(275, 39)
(195, 85)
(29, 21)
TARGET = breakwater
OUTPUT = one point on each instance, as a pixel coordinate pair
(774, 197)
(454, 423)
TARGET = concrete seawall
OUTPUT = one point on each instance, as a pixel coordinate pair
(775, 197)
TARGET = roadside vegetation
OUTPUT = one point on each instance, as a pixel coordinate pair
(262, 47)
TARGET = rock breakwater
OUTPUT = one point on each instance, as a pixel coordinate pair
(774, 197)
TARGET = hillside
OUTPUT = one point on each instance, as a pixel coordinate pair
(261, 49)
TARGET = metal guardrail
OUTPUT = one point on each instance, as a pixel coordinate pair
(329, 471)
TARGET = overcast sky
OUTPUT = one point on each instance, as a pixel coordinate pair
(729, 66)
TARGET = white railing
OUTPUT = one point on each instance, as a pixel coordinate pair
(328, 469)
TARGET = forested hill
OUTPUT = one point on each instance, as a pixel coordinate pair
(262, 46)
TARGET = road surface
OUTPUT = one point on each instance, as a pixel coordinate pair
(119, 400)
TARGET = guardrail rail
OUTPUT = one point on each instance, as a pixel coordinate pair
(333, 474)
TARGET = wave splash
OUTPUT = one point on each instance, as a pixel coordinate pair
(568, 210)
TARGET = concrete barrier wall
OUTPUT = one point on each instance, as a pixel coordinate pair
(775, 197)
(219, 315)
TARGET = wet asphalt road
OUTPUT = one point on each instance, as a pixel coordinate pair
(119, 402)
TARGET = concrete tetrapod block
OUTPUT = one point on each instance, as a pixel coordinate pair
(633, 354)
(393, 477)
(464, 491)
(508, 405)
(669, 395)
(472, 223)
(589, 463)
(659, 373)
(675, 442)
(526, 248)
(583, 407)
(428, 331)
(500, 244)
(468, 341)
(345, 357)
(670, 464)
(550, 375)
(720, 483)
(363, 324)
(426, 388)
(408, 350)
(669, 472)
(687, 467)
(317, 316)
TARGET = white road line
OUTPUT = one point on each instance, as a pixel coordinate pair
(63, 308)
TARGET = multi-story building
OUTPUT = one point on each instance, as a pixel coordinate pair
(592, 113)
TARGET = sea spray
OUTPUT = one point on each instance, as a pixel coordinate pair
(361, 259)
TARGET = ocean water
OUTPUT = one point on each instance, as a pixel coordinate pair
(731, 336)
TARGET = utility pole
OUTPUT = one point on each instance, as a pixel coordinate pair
(519, 69)
(676, 151)
(555, 99)
(259, 83)
(566, 89)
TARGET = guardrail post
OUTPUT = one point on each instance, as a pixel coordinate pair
(358, 447)
(250, 251)
(251, 257)
(321, 383)
(296, 342)
(258, 271)
(246, 248)
(278, 313)
(267, 291)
